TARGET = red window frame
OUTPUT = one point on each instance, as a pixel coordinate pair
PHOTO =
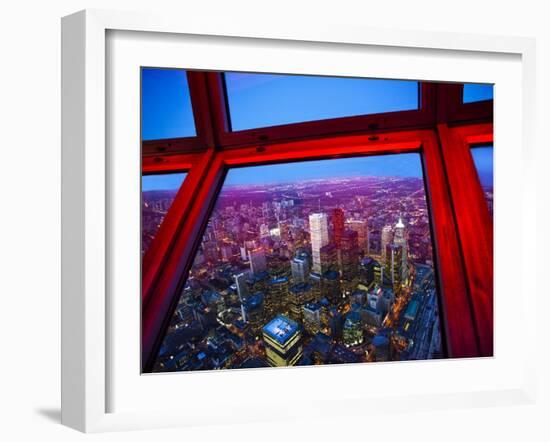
(466, 303)
(474, 221)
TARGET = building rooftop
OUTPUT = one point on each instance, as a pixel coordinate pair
(278, 280)
(331, 274)
(281, 329)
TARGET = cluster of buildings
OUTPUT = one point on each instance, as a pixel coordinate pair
(302, 274)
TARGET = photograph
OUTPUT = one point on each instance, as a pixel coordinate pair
(309, 257)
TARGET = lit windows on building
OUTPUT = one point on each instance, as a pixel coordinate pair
(352, 332)
(394, 264)
(282, 340)
(312, 318)
(298, 296)
(277, 298)
(318, 228)
(300, 269)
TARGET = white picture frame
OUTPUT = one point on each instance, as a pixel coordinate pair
(88, 333)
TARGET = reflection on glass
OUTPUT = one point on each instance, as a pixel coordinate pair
(157, 194)
(483, 159)
(320, 262)
(477, 92)
(166, 110)
(284, 99)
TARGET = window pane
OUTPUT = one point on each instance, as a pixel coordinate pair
(477, 92)
(166, 110)
(316, 262)
(483, 159)
(261, 100)
(157, 194)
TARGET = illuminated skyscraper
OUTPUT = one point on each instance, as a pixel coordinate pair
(242, 290)
(385, 239)
(298, 296)
(257, 259)
(300, 269)
(394, 263)
(240, 282)
(400, 239)
(254, 307)
(318, 230)
(277, 297)
(282, 340)
(338, 223)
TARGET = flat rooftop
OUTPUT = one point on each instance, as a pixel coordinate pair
(281, 329)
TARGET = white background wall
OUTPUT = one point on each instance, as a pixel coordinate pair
(30, 215)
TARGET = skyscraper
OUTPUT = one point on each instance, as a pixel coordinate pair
(338, 223)
(298, 296)
(240, 282)
(350, 257)
(361, 227)
(400, 239)
(257, 259)
(318, 230)
(394, 263)
(329, 257)
(300, 269)
(385, 239)
(282, 340)
(277, 298)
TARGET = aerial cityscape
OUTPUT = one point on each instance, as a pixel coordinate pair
(303, 265)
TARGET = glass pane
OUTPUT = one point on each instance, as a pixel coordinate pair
(261, 100)
(157, 194)
(483, 159)
(166, 110)
(319, 262)
(477, 92)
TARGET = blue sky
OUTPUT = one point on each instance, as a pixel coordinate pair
(168, 181)
(257, 100)
(477, 92)
(166, 104)
(483, 159)
(260, 100)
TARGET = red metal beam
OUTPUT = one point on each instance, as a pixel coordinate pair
(475, 224)
(162, 297)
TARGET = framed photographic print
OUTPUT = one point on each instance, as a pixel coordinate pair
(254, 212)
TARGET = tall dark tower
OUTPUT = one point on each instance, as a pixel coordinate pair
(338, 223)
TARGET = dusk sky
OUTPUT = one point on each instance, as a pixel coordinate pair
(483, 159)
(257, 100)
(402, 165)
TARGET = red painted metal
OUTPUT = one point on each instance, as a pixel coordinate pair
(475, 224)
(163, 296)
(452, 110)
(155, 257)
(423, 117)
